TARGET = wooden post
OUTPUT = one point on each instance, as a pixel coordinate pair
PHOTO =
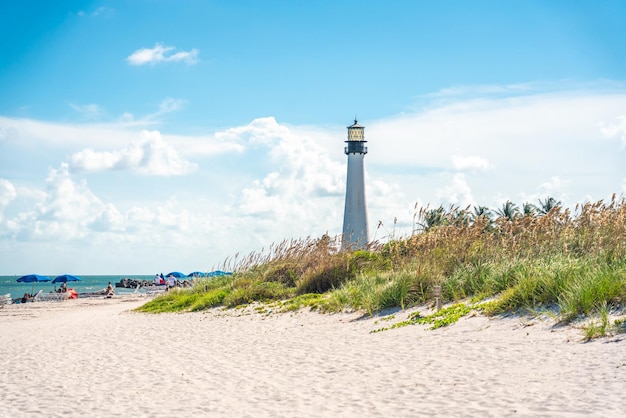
(437, 290)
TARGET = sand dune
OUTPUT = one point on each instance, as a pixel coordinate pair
(97, 358)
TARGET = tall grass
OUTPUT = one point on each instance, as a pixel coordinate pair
(572, 261)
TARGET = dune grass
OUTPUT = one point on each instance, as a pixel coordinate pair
(574, 263)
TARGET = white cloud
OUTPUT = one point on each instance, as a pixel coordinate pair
(7, 195)
(615, 129)
(7, 192)
(161, 53)
(68, 200)
(456, 92)
(553, 186)
(127, 118)
(35, 133)
(168, 105)
(100, 11)
(8, 133)
(69, 219)
(294, 192)
(89, 111)
(64, 213)
(512, 130)
(26, 134)
(461, 163)
(149, 155)
(526, 141)
(263, 131)
(457, 192)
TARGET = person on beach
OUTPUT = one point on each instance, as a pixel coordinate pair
(171, 281)
(63, 287)
(27, 297)
(110, 291)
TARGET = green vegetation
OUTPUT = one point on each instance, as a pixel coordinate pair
(524, 259)
(601, 325)
(442, 318)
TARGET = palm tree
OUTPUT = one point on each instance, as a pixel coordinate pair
(547, 205)
(482, 216)
(509, 211)
(528, 209)
(481, 212)
(433, 218)
(460, 217)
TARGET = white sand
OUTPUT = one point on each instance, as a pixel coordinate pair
(96, 358)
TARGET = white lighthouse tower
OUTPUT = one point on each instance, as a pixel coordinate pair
(355, 226)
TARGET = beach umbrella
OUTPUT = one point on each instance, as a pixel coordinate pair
(219, 273)
(33, 278)
(64, 278)
(176, 274)
(197, 274)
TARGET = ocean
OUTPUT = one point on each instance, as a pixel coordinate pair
(9, 284)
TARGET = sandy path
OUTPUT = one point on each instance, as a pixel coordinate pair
(96, 358)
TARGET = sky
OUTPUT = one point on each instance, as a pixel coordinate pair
(149, 136)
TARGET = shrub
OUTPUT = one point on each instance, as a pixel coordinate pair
(311, 300)
(590, 288)
(172, 301)
(212, 298)
(257, 291)
(285, 273)
(330, 274)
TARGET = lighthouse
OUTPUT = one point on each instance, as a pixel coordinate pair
(355, 226)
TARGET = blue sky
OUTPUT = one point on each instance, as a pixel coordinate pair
(146, 136)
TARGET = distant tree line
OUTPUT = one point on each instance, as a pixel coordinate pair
(431, 218)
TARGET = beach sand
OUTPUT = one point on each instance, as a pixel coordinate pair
(97, 358)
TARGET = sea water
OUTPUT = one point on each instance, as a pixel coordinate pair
(88, 284)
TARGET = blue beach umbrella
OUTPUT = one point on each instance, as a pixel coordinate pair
(176, 274)
(218, 273)
(64, 278)
(33, 278)
(197, 274)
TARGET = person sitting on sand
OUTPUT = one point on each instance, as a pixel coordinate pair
(110, 291)
(63, 287)
(27, 298)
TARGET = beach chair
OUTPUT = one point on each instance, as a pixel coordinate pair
(5, 300)
(36, 297)
(50, 297)
(155, 290)
(28, 298)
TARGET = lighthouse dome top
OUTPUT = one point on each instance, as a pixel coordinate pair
(355, 125)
